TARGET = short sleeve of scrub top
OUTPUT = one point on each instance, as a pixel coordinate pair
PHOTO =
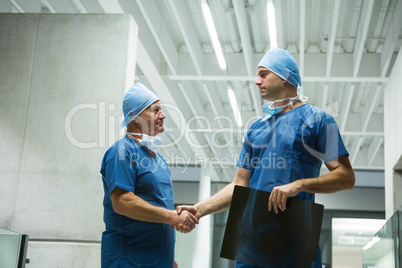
(120, 171)
(329, 142)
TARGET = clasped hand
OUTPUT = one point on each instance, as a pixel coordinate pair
(188, 214)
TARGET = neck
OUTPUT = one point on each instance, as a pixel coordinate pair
(286, 92)
(133, 129)
(138, 134)
(295, 105)
(282, 101)
(139, 130)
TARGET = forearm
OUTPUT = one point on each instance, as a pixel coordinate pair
(216, 203)
(221, 200)
(337, 180)
(136, 208)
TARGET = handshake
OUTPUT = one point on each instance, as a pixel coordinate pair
(185, 218)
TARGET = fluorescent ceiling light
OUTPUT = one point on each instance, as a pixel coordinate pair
(233, 103)
(272, 24)
(213, 34)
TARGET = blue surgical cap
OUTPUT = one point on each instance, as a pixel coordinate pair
(281, 63)
(136, 100)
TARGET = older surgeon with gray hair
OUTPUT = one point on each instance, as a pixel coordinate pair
(138, 201)
(299, 136)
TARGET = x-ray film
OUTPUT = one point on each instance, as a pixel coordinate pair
(262, 238)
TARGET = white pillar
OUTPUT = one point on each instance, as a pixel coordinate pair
(392, 138)
(202, 248)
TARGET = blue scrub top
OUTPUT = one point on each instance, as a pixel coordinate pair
(128, 242)
(279, 149)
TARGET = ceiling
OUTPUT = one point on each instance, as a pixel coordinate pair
(345, 51)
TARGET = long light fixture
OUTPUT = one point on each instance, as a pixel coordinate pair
(233, 103)
(213, 34)
(272, 24)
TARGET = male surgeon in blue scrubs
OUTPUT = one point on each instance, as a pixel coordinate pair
(284, 149)
(138, 201)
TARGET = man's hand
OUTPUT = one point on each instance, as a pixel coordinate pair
(176, 265)
(186, 209)
(279, 195)
(191, 209)
(189, 221)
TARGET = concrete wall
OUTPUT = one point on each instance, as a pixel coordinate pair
(63, 78)
(392, 137)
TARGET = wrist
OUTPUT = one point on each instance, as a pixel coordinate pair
(299, 185)
(172, 217)
(201, 211)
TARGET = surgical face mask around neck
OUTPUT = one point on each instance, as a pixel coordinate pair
(269, 107)
(151, 142)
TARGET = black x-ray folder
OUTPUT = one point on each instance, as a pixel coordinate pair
(262, 238)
